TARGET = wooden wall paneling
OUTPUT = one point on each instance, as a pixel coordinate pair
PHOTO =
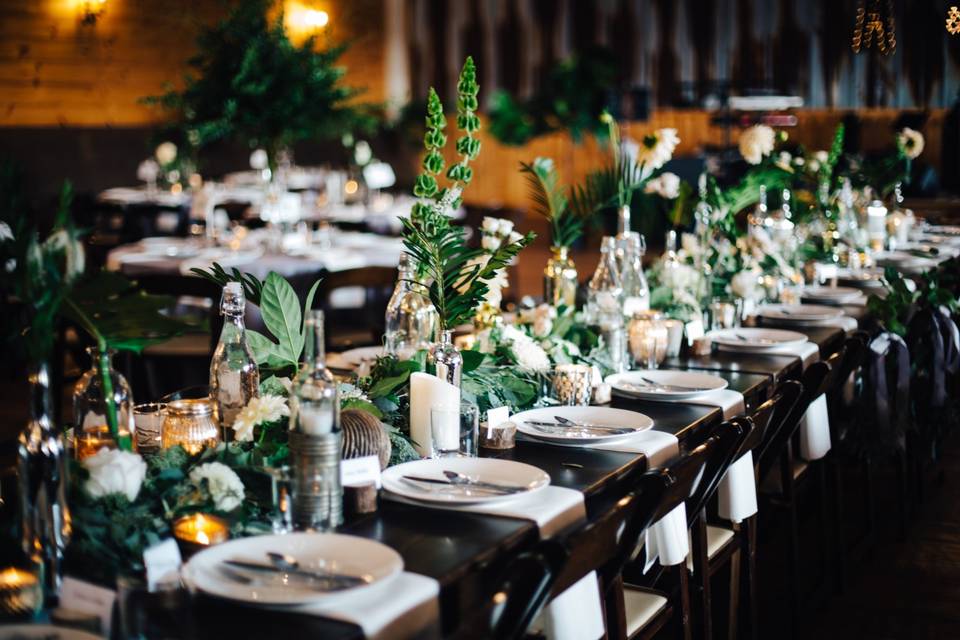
(701, 23)
(666, 77)
(924, 64)
(791, 51)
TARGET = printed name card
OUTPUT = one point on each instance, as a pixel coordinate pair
(496, 417)
(694, 331)
(77, 595)
(162, 562)
(357, 472)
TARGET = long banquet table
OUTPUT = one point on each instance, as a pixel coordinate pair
(466, 553)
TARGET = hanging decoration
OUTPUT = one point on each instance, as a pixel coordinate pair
(874, 26)
(953, 21)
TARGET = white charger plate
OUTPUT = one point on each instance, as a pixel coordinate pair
(596, 415)
(334, 552)
(631, 384)
(353, 358)
(799, 313)
(758, 340)
(831, 295)
(505, 472)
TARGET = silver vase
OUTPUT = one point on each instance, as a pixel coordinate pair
(42, 470)
(447, 359)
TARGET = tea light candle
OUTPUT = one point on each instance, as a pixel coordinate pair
(877, 225)
(20, 593)
(200, 530)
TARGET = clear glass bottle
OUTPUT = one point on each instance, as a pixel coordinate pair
(605, 305)
(636, 291)
(45, 524)
(447, 359)
(234, 378)
(560, 279)
(314, 439)
(623, 237)
(758, 217)
(91, 427)
(411, 320)
(671, 262)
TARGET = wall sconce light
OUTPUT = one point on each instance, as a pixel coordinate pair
(91, 10)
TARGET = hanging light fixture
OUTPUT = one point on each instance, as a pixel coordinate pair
(953, 21)
(874, 27)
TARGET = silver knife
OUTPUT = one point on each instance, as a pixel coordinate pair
(556, 426)
(339, 579)
(473, 484)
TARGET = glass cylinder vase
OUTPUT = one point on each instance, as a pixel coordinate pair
(560, 279)
(91, 406)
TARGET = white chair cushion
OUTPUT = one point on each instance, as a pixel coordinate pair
(641, 607)
(717, 539)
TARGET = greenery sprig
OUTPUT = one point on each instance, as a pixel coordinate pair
(551, 202)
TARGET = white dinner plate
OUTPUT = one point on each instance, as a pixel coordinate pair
(353, 358)
(503, 472)
(633, 385)
(333, 552)
(754, 339)
(43, 632)
(831, 295)
(606, 416)
(799, 313)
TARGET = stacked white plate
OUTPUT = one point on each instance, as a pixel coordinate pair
(749, 339)
(426, 480)
(831, 295)
(800, 314)
(664, 384)
(353, 358)
(314, 552)
(590, 425)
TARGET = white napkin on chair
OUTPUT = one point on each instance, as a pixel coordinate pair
(815, 430)
(737, 493)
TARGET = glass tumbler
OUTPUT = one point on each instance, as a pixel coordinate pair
(148, 427)
(454, 431)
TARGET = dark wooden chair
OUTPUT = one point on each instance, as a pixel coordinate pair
(653, 600)
(361, 325)
(724, 544)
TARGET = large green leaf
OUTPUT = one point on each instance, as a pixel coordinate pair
(280, 309)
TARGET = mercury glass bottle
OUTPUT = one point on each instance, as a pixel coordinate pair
(234, 378)
(447, 359)
(636, 291)
(605, 304)
(314, 439)
(560, 279)
(411, 320)
(45, 525)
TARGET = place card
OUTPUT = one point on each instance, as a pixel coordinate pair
(496, 417)
(162, 562)
(358, 472)
(498, 432)
(77, 595)
(694, 331)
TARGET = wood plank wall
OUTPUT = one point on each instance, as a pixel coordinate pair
(56, 71)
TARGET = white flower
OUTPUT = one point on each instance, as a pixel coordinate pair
(262, 410)
(530, 356)
(745, 284)
(166, 153)
(224, 485)
(799, 161)
(756, 142)
(490, 243)
(666, 185)
(259, 160)
(73, 254)
(490, 225)
(506, 227)
(114, 471)
(690, 244)
(814, 166)
(657, 148)
(6, 233)
(514, 237)
(911, 142)
(362, 153)
(821, 156)
(543, 320)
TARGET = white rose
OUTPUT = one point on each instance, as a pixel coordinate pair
(224, 485)
(490, 243)
(506, 227)
(259, 160)
(166, 153)
(515, 237)
(114, 471)
(666, 185)
(756, 142)
(542, 326)
(490, 225)
(911, 142)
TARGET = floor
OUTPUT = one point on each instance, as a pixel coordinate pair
(906, 588)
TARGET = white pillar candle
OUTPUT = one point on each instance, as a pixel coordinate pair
(428, 391)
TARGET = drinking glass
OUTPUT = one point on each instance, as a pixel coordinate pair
(148, 427)
(153, 612)
(454, 431)
(724, 313)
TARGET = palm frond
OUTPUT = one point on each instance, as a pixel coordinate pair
(551, 202)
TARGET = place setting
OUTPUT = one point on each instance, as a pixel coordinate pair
(833, 295)
(764, 341)
(806, 315)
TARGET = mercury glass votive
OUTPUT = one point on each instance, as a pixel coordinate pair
(649, 338)
(572, 384)
(190, 424)
(148, 427)
(21, 594)
(198, 531)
